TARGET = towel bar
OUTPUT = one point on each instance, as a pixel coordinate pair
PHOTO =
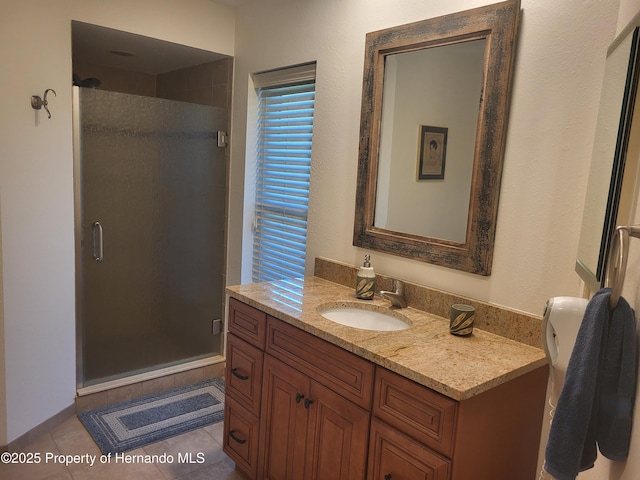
(617, 263)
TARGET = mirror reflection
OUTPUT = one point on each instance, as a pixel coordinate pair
(435, 106)
(430, 109)
(608, 158)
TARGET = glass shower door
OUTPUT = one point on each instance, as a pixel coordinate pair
(152, 232)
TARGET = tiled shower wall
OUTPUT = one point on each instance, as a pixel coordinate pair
(206, 84)
(118, 80)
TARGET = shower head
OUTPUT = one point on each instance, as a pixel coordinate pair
(87, 82)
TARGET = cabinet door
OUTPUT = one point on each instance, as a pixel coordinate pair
(338, 437)
(394, 456)
(284, 421)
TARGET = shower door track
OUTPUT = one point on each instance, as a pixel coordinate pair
(150, 375)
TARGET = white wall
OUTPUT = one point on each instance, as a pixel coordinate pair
(36, 183)
(37, 214)
(556, 89)
(195, 23)
(451, 101)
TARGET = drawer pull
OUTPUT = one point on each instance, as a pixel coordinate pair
(299, 397)
(307, 402)
(232, 434)
(387, 476)
(235, 373)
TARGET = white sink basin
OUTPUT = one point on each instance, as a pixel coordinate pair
(365, 317)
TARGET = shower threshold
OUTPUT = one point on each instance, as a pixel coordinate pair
(150, 375)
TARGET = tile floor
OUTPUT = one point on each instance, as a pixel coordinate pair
(71, 438)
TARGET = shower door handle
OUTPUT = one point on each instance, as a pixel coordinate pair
(98, 242)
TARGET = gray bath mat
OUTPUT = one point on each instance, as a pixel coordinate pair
(135, 423)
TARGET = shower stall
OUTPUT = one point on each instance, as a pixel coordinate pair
(150, 230)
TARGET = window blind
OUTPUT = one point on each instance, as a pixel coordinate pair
(285, 129)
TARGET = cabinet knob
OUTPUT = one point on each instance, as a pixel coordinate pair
(235, 373)
(387, 476)
(232, 434)
(307, 402)
(299, 397)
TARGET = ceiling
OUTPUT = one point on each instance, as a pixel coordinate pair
(93, 44)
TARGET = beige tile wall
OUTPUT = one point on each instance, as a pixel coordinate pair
(118, 80)
(206, 84)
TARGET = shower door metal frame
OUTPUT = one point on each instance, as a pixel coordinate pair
(78, 237)
(77, 201)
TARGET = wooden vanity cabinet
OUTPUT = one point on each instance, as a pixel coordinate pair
(314, 399)
(298, 407)
(495, 434)
(243, 385)
(315, 408)
(307, 430)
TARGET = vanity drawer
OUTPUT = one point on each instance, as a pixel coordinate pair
(421, 413)
(247, 322)
(393, 455)
(244, 372)
(341, 371)
(241, 430)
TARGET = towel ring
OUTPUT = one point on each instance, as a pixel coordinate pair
(617, 267)
(617, 263)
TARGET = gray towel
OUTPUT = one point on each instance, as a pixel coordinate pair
(596, 402)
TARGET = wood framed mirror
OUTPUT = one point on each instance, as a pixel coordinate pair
(435, 105)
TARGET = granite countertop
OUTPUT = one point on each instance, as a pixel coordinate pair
(458, 367)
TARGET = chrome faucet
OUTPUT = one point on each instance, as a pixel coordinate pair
(397, 296)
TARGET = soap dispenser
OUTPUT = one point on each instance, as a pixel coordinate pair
(366, 280)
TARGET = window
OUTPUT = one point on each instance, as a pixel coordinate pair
(285, 127)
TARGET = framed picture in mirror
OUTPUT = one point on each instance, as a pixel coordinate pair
(432, 152)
